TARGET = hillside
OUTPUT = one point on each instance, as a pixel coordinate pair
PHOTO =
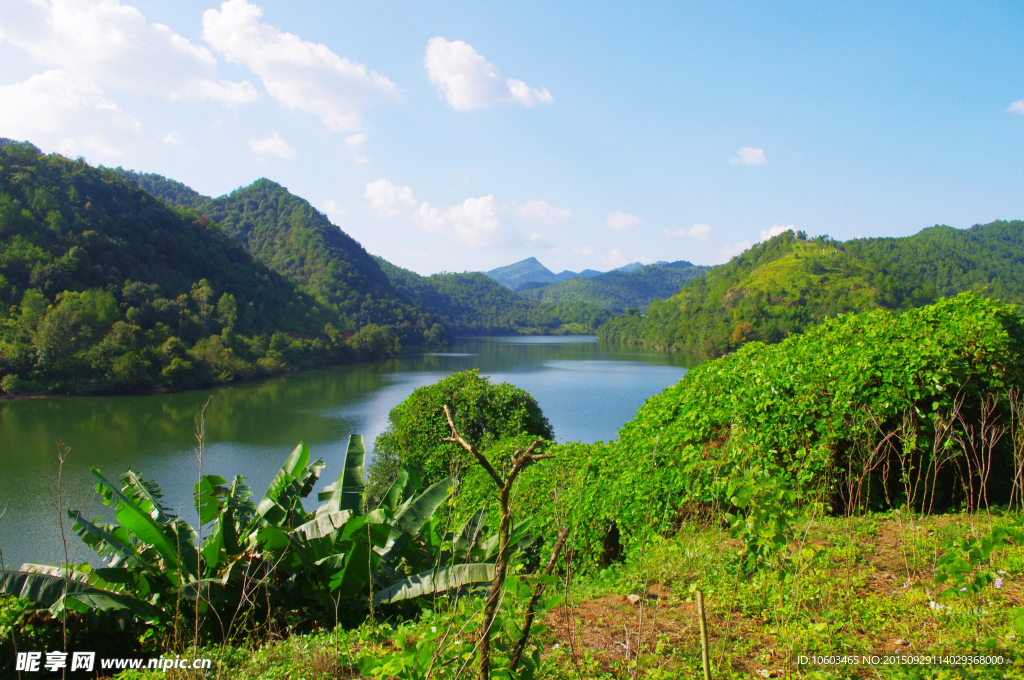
(294, 239)
(620, 290)
(790, 283)
(474, 304)
(104, 287)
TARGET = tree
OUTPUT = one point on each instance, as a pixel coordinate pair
(483, 412)
(201, 294)
(227, 312)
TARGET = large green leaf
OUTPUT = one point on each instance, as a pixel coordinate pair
(520, 539)
(58, 593)
(324, 525)
(209, 494)
(93, 599)
(396, 492)
(139, 522)
(147, 494)
(107, 542)
(413, 514)
(295, 462)
(346, 493)
(435, 581)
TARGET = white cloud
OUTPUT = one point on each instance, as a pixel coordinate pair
(697, 231)
(748, 155)
(727, 252)
(541, 211)
(355, 141)
(112, 45)
(1017, 107)
(173, 138)
(619, 221)
(273, 145)
(389, 199)
(68, 112)
(474, 222)
(585, 250)
(298, 73)
(775, 231)
(469, 81)
(415, 253)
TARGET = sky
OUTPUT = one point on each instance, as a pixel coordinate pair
(453, 136)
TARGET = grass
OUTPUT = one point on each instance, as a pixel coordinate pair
(858, 586)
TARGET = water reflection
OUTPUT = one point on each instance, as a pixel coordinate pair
(587, 388)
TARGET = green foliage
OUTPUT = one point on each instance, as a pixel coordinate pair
(966, 564)
(861, 412)
(297, 241)
(617, 291)
(473, 304)
(789, 283)
(484, 413)
(438, 645)
(253, 564)
(102, 287)
(765, 510)
(375, 342)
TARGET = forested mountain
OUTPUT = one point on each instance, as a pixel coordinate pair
(293, 238)
(103, 286)
(620, 290)
(530, 273)
(171, 191)
(790, 283)
(474, 304)
(530, 270)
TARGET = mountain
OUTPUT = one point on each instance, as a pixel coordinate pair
(525, 271)
(291, 237)
(790, 283)
(104, 287)
(474, 304)
(530, 273)
(619, 290)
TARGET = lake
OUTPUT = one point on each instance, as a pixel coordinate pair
(587, 388)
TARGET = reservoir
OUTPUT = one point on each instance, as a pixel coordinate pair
(587, 389)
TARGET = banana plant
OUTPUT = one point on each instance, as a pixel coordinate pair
(157, 564)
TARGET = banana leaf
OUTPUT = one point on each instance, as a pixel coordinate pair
(412, 515)
(346, 493)
(139, 522)
(58, 593)
(293, 465)
(435, 581)
(146, 491)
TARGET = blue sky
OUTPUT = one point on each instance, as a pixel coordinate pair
(456, 136)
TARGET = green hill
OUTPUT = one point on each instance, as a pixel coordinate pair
(296, 240)
(618, 291)
(104, 287)
(474, 304)
(790, 283)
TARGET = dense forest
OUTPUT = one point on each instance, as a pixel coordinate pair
(104, 287)
(294, 239)
(618, 291)
(791, 282)
(474, 304)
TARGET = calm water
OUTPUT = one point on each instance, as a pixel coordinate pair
(586, 388)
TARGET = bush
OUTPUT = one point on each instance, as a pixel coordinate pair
(484, 413)
(865, 411)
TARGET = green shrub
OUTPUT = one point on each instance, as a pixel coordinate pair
(484, 413)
